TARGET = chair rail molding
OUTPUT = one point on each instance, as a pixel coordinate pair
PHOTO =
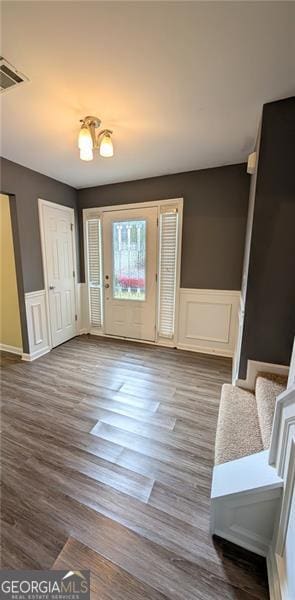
(208, 321)
(36, 313)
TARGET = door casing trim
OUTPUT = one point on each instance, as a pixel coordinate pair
(97, 212)
(42, 204)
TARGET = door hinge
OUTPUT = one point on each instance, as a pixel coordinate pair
(157, 221)
(156, 276)
(72, 226)
(76, 317)
(74, 274)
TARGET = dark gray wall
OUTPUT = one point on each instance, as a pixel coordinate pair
(27, 186)
(24, 187)
(214, 219)
(269, 325)
(215, 212)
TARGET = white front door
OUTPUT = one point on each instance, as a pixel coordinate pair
(60, 275)
(130, 265)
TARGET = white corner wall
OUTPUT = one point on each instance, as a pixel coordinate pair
(281, 556)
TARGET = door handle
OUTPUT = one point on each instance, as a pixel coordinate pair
(52, 287)
(106, 285)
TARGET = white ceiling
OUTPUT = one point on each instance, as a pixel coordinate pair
(180, 83)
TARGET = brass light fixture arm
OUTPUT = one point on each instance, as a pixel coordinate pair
(102, 132)
(92, 123)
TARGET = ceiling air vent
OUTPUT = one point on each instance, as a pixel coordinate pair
(9, 76)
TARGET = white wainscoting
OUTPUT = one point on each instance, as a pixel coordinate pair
(38, 331)
(208, 321)
(82, 308)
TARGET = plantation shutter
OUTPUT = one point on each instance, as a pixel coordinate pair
(168, 269)
(93, 228)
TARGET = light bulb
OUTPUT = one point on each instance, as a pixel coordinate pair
(85, 141)
(106, 148)
(86, 154)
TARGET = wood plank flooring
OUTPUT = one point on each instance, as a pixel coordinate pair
(107, 453)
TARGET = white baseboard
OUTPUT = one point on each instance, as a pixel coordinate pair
(11, 349)
(254, 367)
(202, 350)
(159, 342)
(37, 354)
(208, 321)
(165, 343)
(83, 331)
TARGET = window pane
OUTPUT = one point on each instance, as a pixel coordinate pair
(129, 258)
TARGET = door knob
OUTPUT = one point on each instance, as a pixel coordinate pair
(106, 285)
(51, 287)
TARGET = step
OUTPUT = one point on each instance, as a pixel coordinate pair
(245, 497)
(238, 432)
(267, 388)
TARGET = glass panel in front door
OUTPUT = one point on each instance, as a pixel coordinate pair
(129, 260)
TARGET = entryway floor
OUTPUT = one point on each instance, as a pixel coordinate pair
(107, 456)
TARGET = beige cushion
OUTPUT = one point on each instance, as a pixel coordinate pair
(268, 387)
(238, 433)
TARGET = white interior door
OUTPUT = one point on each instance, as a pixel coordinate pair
(60, 274)
(130, 265)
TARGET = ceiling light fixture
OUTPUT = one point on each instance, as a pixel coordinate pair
(89, 140)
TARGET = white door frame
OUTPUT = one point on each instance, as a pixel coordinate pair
(146, 311)
(98, 212)
(41, 204)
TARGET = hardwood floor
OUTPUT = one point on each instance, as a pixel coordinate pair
(107, 453)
